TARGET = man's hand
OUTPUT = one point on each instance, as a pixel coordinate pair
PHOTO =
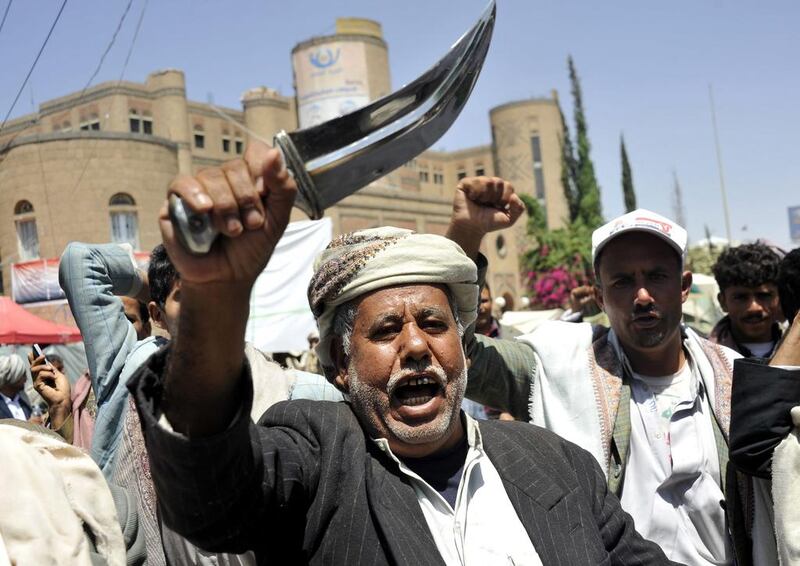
(249, 201)
(482, 205)
(54, 388)
(581, 300)
(789, 352)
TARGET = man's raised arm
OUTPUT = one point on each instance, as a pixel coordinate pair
(500, 371)
(249, 201)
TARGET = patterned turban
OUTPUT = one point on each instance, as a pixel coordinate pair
(12, 369)
(365, 261)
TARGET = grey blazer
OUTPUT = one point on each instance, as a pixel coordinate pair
(307, 486)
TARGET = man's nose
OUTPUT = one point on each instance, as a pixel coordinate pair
(754, 305)
(414, 343)
(643, 296)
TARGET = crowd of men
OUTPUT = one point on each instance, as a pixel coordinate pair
(635, 442)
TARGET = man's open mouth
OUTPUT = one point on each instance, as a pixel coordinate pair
(416, 391)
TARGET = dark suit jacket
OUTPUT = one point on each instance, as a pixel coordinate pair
(761, 399)
(5, 413)
(307, 486)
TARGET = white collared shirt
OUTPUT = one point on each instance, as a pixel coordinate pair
(672, 479)
(14, 406)
(484, 527)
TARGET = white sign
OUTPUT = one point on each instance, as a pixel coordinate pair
(331, 81)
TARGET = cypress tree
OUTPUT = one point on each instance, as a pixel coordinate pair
(588, 191)
(569, 169)
(627, 178)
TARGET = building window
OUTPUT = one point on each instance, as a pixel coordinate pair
(538, 174)
(226, 145)
(239, 147)
(423, 176)
(90, 125)
(438, 178)
(27, 233)
(124, 220)
(461, 174)
(500, 246)
(139, 124)
(480, 172)
(199, 141)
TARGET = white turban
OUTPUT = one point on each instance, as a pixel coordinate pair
(12, 370)
(368, 260)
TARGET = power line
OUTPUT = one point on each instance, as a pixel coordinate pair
(5, 14)
(30, 71)
(119, 80)
(108, 48)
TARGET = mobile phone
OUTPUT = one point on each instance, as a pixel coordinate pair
(37, 352)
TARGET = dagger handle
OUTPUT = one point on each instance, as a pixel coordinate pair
(196, 232)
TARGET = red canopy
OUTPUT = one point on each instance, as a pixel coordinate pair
(18, 326)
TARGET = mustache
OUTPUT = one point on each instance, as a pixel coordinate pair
(644, 310)
(755, 317)
(414, 368)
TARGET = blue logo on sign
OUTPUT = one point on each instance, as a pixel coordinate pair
(324, 57)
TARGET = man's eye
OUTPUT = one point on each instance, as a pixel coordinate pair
(384, 332)
(620, 283)
(434, 325)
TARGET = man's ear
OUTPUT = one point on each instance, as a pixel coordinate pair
(598, 296)
(156, 315)
(722, 302)
(686, 285)
(340, 361)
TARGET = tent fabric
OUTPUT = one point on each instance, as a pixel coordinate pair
(18, 326)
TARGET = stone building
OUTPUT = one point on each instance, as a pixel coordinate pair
(94, 166)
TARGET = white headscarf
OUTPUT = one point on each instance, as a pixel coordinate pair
(12, 370)
(368, 260)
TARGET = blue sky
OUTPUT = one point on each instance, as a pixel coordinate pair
(645, 68)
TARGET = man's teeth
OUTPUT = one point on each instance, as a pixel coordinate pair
(420, 381)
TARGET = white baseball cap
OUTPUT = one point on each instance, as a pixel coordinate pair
(640, 220)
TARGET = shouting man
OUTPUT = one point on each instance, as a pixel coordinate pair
(398, 474)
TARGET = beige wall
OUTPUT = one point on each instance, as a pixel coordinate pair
(513, 126)
(69, 179)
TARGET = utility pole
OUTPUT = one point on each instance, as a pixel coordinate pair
(719, 166)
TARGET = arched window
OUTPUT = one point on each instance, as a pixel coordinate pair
(27, 233)
(124, 220)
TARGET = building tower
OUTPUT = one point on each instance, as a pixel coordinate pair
(336, 74)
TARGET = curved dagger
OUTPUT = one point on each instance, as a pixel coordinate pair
(334, 159)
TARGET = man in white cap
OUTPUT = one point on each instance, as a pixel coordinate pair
(649, 398)
(396, 475)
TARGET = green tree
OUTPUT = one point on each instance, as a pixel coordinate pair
(627, 178)
(569, 169)
(590, 210)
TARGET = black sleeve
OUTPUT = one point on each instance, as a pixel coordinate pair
(224, 492)
(625, 546)
(761, 400)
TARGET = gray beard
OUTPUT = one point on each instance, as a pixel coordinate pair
(372, 407)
